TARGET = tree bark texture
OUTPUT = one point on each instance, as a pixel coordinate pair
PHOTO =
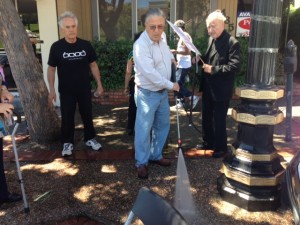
(43, 122)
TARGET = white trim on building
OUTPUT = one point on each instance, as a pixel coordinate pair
(47, 16)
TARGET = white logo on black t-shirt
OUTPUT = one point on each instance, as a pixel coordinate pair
(74, 54)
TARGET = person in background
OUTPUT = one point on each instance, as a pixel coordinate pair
(74, 58)
(129, 89)
(184, 64)
(6, 111)
(33, 39)
(152, 58)
(3, 61)
(222, 62)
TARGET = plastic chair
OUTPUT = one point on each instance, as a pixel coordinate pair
(152, 209)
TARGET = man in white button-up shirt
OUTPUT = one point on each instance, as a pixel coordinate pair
(152, 78)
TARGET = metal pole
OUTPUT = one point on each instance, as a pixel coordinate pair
(251, 171)
(290, 66)
(26, 207)
(289, 105)
(134, 20)
(98, 19)
(287, 23)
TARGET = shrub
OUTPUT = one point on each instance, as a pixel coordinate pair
(240, 77)
(111, 59)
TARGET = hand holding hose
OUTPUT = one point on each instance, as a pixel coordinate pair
(176, 87)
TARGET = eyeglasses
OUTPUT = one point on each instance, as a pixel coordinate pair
(158, 27)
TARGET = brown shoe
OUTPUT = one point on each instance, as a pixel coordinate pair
(142, 172)
(162, 162)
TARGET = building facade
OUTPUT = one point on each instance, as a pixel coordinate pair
(112, 20)
(121, 19)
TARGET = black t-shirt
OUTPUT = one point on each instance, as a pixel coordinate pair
(72, 62)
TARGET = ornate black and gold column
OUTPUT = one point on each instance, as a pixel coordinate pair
(251, 172)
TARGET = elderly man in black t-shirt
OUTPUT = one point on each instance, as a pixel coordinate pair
(74, 58)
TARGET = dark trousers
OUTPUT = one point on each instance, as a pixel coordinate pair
(3, 185)
(214, 115)
(132, 106)
(181, 73)
(68, 108)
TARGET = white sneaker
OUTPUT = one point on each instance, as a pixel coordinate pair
(68, 148)
(95, 145)
(195, 100)
(178, 105)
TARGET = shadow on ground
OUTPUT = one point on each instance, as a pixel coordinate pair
(105, 190)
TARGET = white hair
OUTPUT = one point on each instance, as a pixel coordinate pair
(216, 15)
(66, 14)
(154, 12)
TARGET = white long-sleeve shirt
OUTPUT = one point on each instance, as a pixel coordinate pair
(152, 64)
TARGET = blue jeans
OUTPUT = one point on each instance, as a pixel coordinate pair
(153, 115)
(181, 73)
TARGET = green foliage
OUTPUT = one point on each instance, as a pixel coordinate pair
(33, 27)
(112, 59)
(201, 44)
(240, 77)
(172, 39)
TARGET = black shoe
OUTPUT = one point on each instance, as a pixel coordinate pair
(219, 154)
(12, 197)
(204, 147)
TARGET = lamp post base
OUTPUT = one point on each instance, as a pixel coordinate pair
(262, 200)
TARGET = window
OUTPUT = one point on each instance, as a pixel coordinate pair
(194, 13)
(115, 19)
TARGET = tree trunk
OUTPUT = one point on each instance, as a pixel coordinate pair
(43, 122)
(109, 16)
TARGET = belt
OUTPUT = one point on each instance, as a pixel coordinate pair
(159, 91)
